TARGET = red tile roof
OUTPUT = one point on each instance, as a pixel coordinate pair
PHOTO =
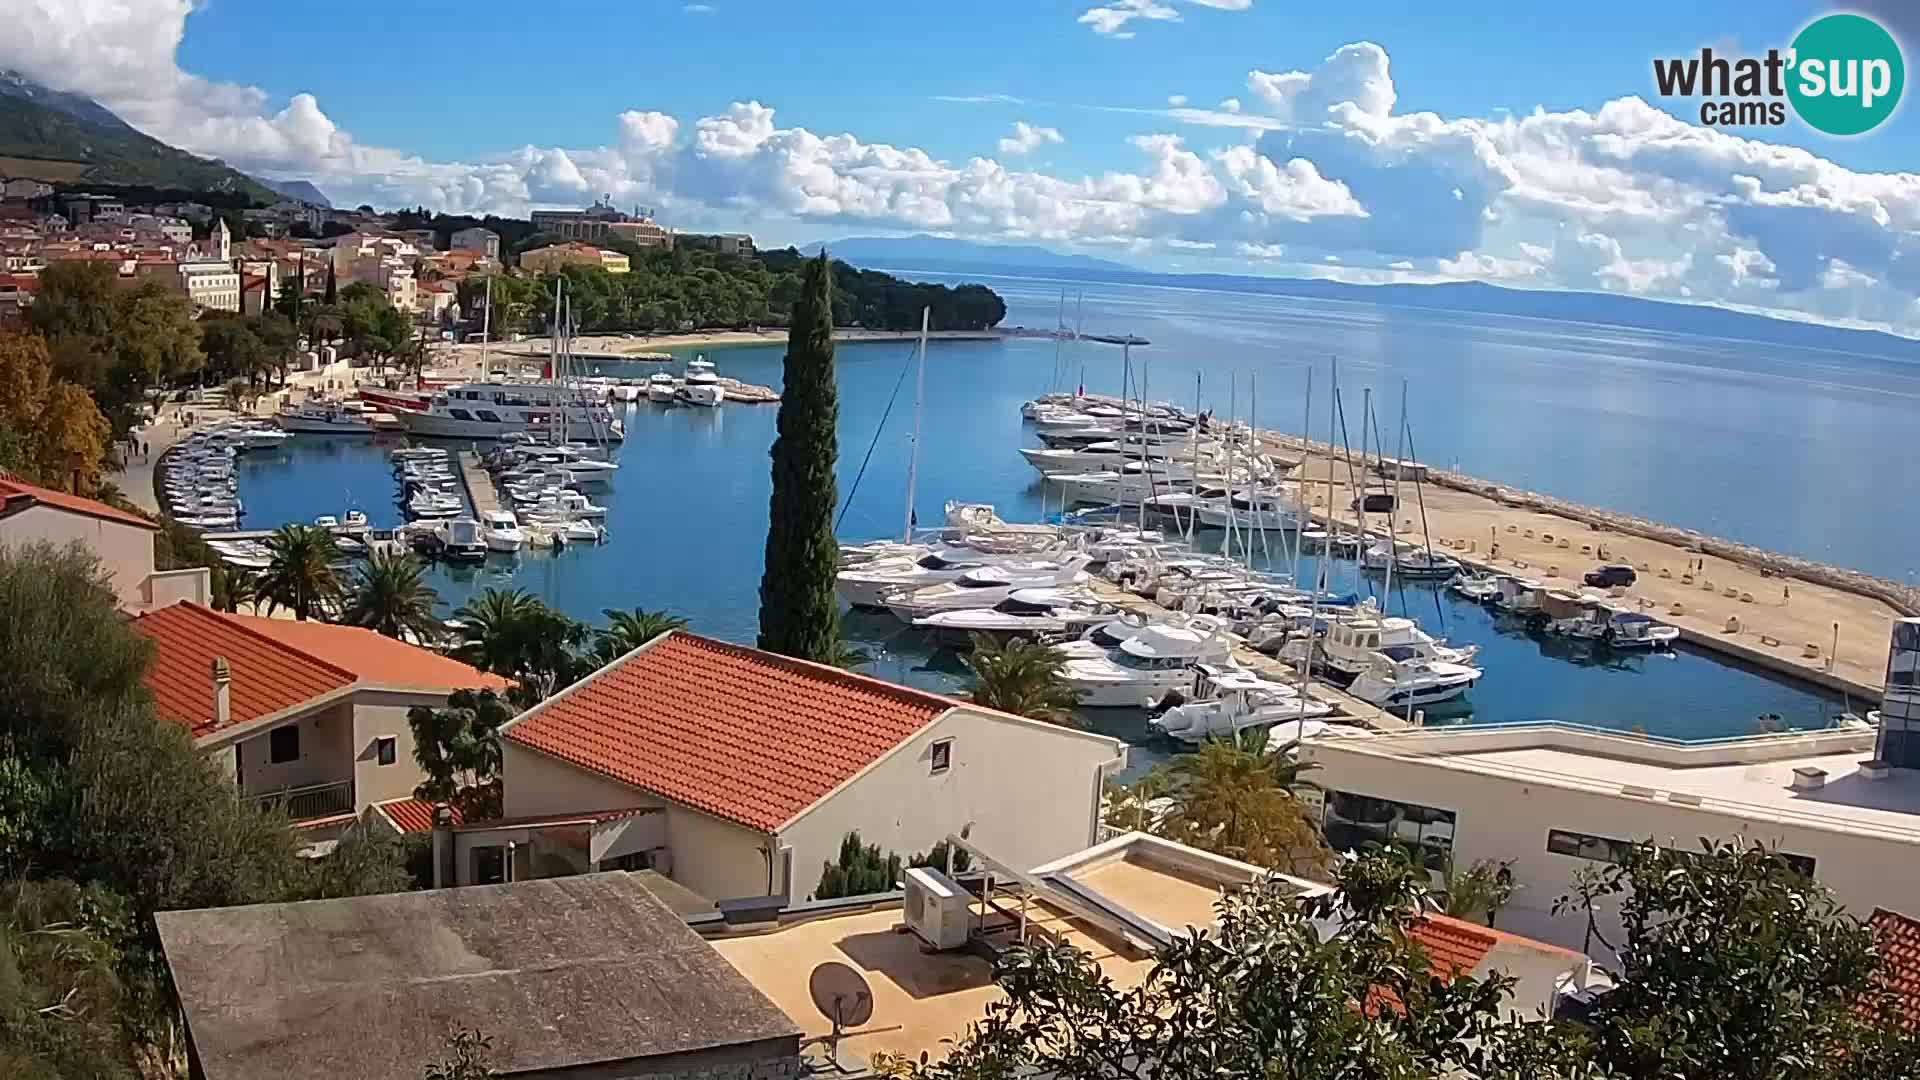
(1453, 946)
(745, 735)
(16, 494)
(412, 815)
(372, 658)
(267, 675)
(1898, 937)
(278, 664)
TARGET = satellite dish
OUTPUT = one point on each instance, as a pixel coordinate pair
(841, 994)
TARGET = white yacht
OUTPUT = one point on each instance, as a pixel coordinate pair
(986, 586)
(354, 519)
(1519, 595)
(1025, 613)
(318, 416)
(1399, 679)
(702, 387)
(494, 410)
(1264, 509)
(1146, 665)
(869, 585)
(502, 532)
(661, 387)
(1479, 588)
(1228, 701)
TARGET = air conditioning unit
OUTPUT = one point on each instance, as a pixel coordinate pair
(937, 908)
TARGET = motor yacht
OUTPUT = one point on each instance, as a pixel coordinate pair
(702, 386)
(1399, 678)
(1146, 665)
(986, 586)
(661, 387)
(461, 540)
(1043, 613)
(1350, 645)
(318, 416)
(1227, 701)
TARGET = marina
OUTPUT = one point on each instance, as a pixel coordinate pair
(686, 520)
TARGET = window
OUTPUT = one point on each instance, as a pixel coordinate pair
(387, 748)
(283, 744)
(1605, 849)
(1353, 822)
(942, 756)
(489, 865)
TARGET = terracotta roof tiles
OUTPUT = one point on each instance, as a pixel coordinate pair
(12, 489)
(1453, 946)
(267, 676)
(748, 736)
(1898, 937)
(411, 815)
(278, 664)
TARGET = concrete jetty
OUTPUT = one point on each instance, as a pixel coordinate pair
(1821, 625)
(480, 493)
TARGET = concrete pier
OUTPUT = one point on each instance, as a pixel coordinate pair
(1757, 610)
(480, 493)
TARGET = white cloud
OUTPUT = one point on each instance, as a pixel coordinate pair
(1623, 197)
(699, 9)
(1027, 137)
(1111, 18)
(1176, 100)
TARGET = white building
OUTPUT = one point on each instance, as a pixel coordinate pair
(123, 542)
(212, 285)
(738, 773)
(24, 188)
(1549, 801)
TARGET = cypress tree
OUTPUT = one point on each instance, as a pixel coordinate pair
(333, 294)
(799, 613)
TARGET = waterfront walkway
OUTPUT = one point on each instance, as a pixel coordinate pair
(480, 493)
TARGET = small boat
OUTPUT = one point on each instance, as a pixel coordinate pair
(1632, 630)
(354, 519)
(326, 521)
(1479, 588)
(461, 541)
(1411, 562)
(502, 532)
(661, 387)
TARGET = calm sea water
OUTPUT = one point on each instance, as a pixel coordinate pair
(1793, 449)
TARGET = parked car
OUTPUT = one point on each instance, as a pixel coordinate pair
(1611, 575)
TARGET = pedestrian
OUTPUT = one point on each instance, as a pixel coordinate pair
(1786, 593)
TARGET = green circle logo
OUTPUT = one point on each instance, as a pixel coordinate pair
(1846, 75)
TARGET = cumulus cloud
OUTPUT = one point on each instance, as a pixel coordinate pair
(1027, 137)
(1308, 163)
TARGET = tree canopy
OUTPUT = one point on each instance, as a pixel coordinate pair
(115, 343)
(50, 431)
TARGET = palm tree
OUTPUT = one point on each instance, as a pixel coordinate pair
(1023, 678)
(234, 586)
(1235, 797)
(299, 574)
(492, 628)
(391, 597)
(628, 630)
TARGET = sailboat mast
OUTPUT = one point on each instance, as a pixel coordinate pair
(1152, 486)
(486, 328)
(1300, 500)
(1233, 412)
(913, 456)
(1193, 465)
(1254, 524)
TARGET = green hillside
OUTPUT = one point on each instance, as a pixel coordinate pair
(40, 124)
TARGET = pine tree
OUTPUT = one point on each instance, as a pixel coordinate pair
(799, 613)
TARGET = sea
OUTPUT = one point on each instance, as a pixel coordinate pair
(1799, 450)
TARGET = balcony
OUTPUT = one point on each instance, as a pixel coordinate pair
(308, 802)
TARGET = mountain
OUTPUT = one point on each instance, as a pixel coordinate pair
(65, 138)
(302, 190)
(938, 252)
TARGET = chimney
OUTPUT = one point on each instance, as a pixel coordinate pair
(1809, 778)
(222, 679)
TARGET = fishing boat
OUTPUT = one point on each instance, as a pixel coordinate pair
(1410, 562)
(1350, 646)
(1223, 702)
(1399, 678)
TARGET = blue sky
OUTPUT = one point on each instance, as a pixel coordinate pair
(1391, 141)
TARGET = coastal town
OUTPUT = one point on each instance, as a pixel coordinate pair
(520, 636)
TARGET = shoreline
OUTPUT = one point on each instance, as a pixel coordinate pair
(653, 348)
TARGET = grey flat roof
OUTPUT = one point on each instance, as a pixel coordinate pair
(558, 972)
